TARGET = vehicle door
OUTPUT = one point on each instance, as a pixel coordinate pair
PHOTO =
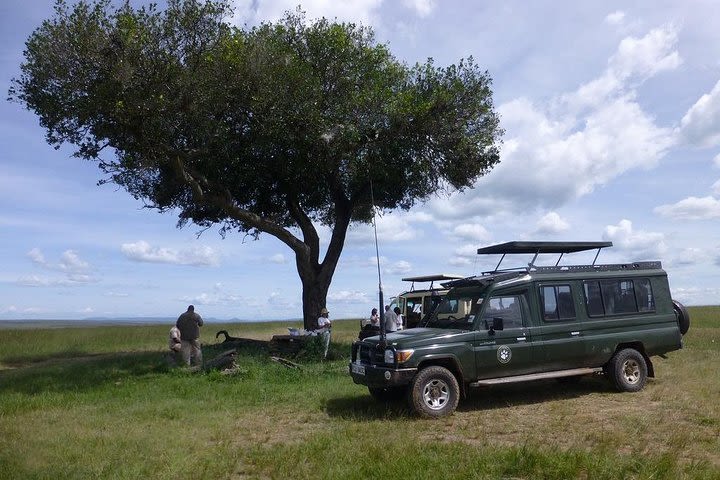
(413, 311)
(506, 352)
(559, 335)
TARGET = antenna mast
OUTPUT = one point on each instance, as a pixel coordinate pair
(381, 310)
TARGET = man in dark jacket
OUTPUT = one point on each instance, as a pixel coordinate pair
(189, 324)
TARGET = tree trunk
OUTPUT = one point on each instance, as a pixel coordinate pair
(316, 277)
(314, 296)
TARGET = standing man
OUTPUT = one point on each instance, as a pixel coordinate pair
(189, 324)
(390, 320)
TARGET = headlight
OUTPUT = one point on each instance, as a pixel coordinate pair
(400, 355)
(389, 357)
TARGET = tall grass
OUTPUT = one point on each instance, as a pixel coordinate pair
(102, 402)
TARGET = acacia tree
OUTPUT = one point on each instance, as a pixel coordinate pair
(273, 129)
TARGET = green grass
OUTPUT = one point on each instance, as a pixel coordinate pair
(101, 402)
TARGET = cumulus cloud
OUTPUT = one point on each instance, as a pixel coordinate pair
(690, 256)
(218, 296)
(348, 297)
(556, 152)
(471, 231)
(422, 8)
(142, 251)
(645, 57)
(278, 258)
(551, 224)
(256, 11)
(74, 270)
(691, 208)
(701, 124)
(398, 268)
(392, 227)
(615, 18)
(638, 243)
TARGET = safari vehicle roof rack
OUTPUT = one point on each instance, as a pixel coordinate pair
(431, 278)
(537, 248)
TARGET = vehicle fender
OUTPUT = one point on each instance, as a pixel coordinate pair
(448, 361)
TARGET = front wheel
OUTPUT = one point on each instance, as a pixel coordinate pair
(434, 392)
(628, 370)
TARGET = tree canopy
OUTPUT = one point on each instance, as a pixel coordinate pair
(275, 129)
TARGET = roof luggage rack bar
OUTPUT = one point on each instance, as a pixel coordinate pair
(537, 248)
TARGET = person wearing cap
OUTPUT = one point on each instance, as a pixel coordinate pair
(324, 326)
(323, 321)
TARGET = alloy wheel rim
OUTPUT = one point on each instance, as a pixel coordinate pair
(436, 394)
(631, 371)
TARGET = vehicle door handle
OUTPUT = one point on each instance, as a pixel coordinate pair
(574, 334)
(521, 339)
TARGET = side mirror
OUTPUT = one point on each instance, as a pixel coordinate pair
(495, 324)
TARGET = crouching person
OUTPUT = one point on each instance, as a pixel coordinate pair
(175, 346)
(189, 324)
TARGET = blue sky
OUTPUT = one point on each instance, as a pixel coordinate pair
(612, 119)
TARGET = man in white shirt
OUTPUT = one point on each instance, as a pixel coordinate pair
(390, 320)
(324, 325)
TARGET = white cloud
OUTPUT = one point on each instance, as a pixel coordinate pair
(348, 297)
(255, 11)
(217, 297)
(278, 258)
(690, 256)
(716, 188)
(716, 160)
(692, 208)
(644, 57)
(422, 8)
(74, 269)
(398, 268)
(556, 152)
(640, 244)
(701, 124)
(615, 18)
(551, 223)
(391, 227)
(142, 251)
(471, 231)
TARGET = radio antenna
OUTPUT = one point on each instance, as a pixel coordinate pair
(381, 310)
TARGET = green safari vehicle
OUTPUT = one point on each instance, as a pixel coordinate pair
(529, 323)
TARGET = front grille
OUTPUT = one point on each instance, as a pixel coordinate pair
(369, 354)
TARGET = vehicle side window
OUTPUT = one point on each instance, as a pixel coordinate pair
(450, 306)
(618, 296)
(557, 302)
(508, 307)
(644, 295)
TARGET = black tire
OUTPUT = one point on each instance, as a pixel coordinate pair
(627, 370)
(434, 392)
(683, 317)
(388, 394)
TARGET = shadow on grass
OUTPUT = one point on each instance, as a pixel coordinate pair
(80, 371)
(364, 407)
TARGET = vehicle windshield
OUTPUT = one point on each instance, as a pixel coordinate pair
(456, 312)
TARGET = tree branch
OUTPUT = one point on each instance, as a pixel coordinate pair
(224, 201)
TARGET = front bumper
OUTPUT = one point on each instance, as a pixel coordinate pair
(380, 377)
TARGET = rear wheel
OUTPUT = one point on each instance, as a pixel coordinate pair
(628, 370)
(434, 392)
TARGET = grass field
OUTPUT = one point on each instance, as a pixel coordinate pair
(101, 402)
